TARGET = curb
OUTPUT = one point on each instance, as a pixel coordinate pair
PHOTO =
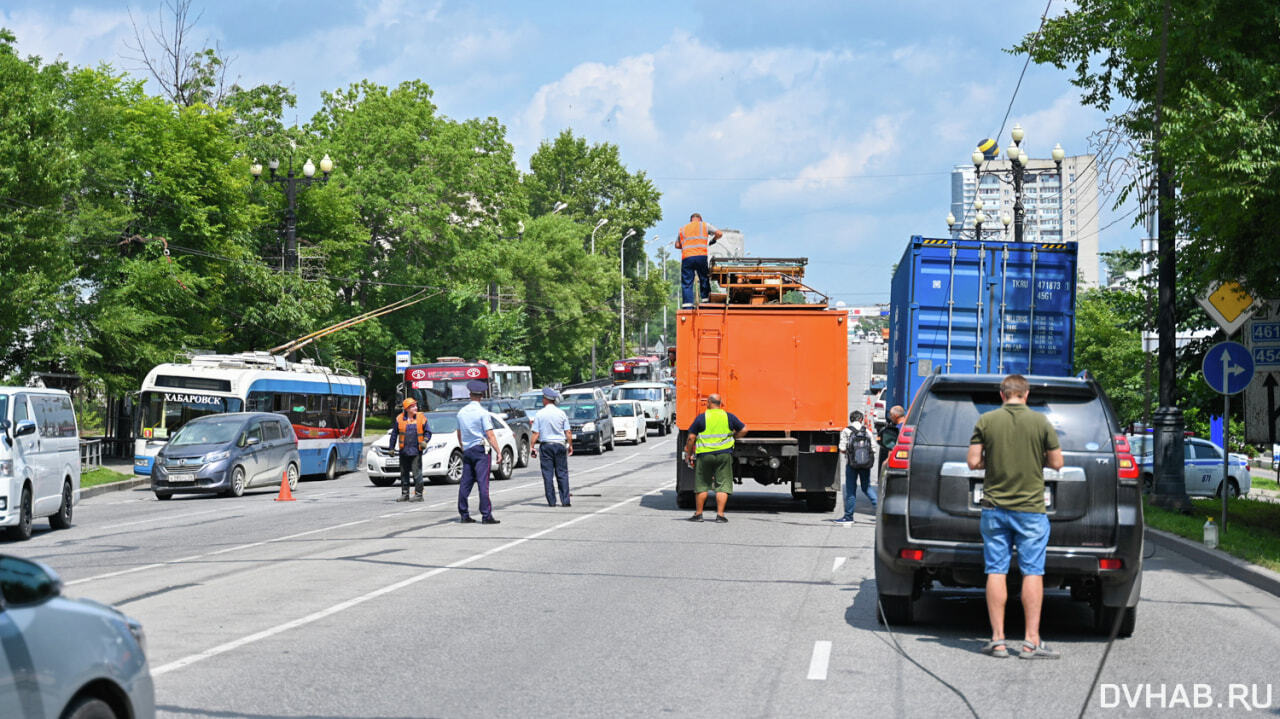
(1251, 574)
(120, 486)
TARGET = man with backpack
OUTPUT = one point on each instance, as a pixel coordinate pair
(859, 457)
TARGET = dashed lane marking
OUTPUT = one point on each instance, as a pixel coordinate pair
(387, 589)
(836, 564)
(818, 662)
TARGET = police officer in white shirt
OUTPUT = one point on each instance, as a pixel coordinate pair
(552, 437)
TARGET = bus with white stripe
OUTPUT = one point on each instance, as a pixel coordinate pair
(325, 406)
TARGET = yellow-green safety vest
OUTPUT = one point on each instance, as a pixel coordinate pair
(716, 437)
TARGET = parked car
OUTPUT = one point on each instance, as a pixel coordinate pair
(39, 459)
(628, 421)
(227, 454)
(658, 400)
(591, 422)
(520, 421)
(531, 401)
(927, 528)
(442, 461)
(595, 394)
(1201, 465)
(71, 658)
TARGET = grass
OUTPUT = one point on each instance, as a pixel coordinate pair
(376, 423)
(1252, 534)
(1265, 482)
(101, 475)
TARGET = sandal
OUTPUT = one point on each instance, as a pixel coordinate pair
(1038, 652)
(997, 648)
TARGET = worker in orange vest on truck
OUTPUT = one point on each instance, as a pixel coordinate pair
(693, 241)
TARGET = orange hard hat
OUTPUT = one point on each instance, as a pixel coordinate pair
(410, 402)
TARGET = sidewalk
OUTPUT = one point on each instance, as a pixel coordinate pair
(125, 466)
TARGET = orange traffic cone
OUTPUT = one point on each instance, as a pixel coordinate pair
(285, 495)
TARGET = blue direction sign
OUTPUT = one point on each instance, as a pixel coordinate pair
(1228, 367)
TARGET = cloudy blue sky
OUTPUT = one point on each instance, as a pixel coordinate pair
(820, 128)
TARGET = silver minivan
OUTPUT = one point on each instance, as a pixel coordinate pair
(39, 459)
(227, 454)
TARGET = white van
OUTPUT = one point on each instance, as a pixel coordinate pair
(39, 459)
(657, 398)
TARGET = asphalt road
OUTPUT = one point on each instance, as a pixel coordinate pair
(347, 604)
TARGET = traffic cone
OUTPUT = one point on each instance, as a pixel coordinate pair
(285, 495)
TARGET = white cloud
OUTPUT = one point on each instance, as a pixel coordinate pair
(613, 101)
(83, 36)
(837, 173)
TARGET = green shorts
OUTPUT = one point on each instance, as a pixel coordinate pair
(713, 473)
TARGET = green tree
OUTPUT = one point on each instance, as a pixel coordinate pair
(1110, 348)
(1220, 137)
(594, 184)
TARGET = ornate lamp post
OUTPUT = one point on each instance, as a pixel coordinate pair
(290, 184)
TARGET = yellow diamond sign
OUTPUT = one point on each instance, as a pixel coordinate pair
(1229, 305)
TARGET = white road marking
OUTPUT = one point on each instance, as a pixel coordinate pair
(356, 601)
(164, 517)
(836, 564)
(817, 664)
(239, 547)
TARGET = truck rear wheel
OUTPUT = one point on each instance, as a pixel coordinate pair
(820, 501)
(684, 500)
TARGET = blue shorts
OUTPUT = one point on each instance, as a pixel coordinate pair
(1003, 528)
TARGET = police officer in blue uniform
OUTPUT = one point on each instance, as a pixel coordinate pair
(476, 428)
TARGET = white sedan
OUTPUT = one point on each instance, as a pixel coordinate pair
(629, 423)
(442, 460)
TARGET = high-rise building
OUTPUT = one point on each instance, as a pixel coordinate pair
(1050, 213)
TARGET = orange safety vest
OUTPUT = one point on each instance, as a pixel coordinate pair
(402, 423)
(693, 240)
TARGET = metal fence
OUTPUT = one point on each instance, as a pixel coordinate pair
(90, 453)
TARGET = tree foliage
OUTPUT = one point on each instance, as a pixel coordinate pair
(134, 231)
(1220, 132)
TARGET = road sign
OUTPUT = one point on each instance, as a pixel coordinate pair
(402, 360)
(1262, 399)
(1228, 367)
(1229, 305)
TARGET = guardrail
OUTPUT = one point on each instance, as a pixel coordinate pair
(90, 453)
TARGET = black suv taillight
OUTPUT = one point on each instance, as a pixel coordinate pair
(900, 456)
(1126, 466)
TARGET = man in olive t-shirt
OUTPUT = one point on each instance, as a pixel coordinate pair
(1013, 444)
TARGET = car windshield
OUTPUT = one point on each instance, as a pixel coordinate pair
(644, 394)
(623, 409)
(1140, 445)
(439, 422)
(211, 431)
(950, 415)
(583, 410)
(531, 401)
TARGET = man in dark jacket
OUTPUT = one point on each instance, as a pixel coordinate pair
(889, 435)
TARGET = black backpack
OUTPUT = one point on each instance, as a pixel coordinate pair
(858, 450)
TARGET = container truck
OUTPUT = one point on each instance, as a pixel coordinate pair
(776, 352)
(979, 307)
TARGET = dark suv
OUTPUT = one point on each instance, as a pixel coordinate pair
(520, 421)
(927, 528)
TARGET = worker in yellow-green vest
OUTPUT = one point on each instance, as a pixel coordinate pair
(709, 450)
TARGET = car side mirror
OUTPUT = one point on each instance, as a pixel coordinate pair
(24, 428)
(250, 441)
(25, 582)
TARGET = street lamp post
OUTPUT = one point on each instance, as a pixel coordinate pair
(290, 184)
(646, 279)
(622, 292)
(1018, 161)
(599, 223)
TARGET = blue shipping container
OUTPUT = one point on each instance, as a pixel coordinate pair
(964, 306)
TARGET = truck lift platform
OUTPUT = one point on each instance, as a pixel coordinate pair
(762, 282)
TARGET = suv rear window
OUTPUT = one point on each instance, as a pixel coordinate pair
(948, 417)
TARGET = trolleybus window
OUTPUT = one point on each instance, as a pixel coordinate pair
(160, 414)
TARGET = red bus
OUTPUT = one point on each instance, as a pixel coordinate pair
(435, 383)
(636, 369)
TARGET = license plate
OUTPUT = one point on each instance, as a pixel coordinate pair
(392, 465)
(1048, 496)
(181, 478)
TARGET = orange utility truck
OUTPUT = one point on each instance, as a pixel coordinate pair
(776, 352)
